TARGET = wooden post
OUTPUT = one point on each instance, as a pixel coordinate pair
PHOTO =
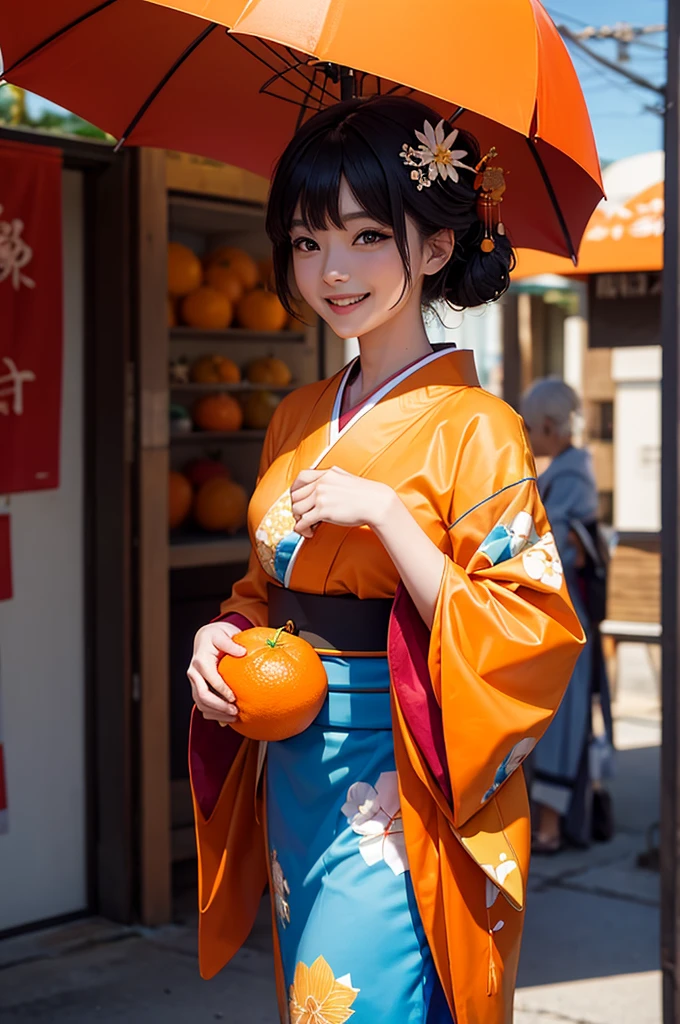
(153, 689)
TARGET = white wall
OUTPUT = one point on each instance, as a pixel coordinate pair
(42, 857)
(637, 438)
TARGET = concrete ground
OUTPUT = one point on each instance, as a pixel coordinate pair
(590, 953)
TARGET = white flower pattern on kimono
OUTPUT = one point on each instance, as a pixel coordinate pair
(508, 765)
(542, 562)
(374, 814)
(500, 873)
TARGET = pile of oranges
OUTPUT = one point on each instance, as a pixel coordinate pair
(228, 288)
(205, 492)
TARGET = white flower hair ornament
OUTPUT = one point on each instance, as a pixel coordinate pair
(434, 157)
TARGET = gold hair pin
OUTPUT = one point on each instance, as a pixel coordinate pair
(490, 184)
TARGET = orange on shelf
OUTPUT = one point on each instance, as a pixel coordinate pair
(198, 471)
(215, 370)
(280, 684)
(222, 276)
(180, 497)
(266, 271)
(221, 505)
(172, 313)
(184, 270)
(260, 310)
(269, 370)
(238, 260)
(258, 409)
(207, 308)
(219, 412)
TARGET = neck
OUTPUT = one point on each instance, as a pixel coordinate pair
(561, 446)
(393, 345)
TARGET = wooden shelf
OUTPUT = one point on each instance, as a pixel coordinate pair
(213, 216)
(243, 387)
(210, 436)
(187, 552)
(236, 334)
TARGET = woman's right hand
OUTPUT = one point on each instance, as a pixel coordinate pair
(212, 696)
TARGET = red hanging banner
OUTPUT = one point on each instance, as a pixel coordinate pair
(5, 559)
(31, 320)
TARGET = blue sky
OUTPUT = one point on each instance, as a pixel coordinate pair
(622, 126)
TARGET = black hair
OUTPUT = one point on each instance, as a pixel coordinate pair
(361, 140)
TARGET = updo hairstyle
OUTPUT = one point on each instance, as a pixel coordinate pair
(361, 140)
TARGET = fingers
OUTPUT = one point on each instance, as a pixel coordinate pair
(307, 523)
(300, 507)
(306, 477)
(208, 702)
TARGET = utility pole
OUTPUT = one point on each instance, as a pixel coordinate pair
(670, 542)
(624, 38)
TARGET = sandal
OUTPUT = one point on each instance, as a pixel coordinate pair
(546, 847)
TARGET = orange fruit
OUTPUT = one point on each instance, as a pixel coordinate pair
(266, 271)
(184, 270)
(207, 308)
(199, 470)
(218, 412)
(226, 279)
(215, 370)
(172, 315)
(258, 409)
(238, 260)
(221, 505)
(261, 311)
(270, 371)
(280, 684)
(180, 496)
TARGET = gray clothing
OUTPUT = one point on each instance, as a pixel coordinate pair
(560, 761)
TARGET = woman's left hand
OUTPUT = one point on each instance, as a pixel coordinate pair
(337, 497)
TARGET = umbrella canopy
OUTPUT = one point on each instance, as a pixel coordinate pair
(230, 79)
(622, 236)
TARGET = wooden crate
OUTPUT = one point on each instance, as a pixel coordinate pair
(634, 593)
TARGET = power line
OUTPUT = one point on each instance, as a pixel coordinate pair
(577, 41)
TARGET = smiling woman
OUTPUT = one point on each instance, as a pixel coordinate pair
(397, 525)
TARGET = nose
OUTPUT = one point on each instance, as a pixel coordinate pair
(331, 274)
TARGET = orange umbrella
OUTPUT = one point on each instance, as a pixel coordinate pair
(154, 75)
(626, 238)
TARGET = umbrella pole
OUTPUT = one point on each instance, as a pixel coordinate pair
(670, 541)
(347, 83)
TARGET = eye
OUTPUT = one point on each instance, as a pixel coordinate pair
(370, 236)
(304, 244)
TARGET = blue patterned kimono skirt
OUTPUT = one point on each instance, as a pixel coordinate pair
(351, 940)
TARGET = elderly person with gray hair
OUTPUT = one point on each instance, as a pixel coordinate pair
(561, 789)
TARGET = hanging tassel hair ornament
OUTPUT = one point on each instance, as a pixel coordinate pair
(490, 184)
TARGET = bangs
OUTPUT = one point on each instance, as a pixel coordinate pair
(316, 181)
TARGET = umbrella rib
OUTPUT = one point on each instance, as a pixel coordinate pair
(277, 72)
(163, 82)
(553, 199)
(60, 32)
(455, 115)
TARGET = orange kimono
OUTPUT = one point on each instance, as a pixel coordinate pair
(469, 699)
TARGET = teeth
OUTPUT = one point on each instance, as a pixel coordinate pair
(346, 302)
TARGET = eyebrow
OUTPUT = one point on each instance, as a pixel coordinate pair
(359, 215)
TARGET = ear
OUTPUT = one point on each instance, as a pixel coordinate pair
(437, 250)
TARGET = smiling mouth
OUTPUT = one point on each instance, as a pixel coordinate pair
(347, 301)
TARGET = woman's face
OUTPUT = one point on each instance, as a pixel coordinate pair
(353, 277)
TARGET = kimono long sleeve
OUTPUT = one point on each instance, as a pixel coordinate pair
(505, 637)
